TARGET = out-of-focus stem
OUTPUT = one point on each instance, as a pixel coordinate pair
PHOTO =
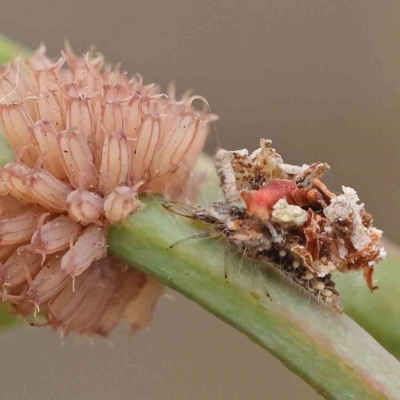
(9, 49)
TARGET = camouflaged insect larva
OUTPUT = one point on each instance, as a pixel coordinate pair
(281, 213)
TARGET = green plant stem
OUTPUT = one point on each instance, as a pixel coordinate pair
(329, 351)
(377, 312)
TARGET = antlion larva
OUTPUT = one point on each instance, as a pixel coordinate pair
(87, 142)
(283, 214)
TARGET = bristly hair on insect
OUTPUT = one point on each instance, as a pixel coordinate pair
(285, 215)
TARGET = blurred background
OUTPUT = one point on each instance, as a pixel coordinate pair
(320, 78)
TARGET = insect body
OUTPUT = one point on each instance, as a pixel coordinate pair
(280, 213)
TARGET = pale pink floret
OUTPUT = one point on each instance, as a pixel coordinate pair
(81, 101)
(20, 228)
(147, 141)
(90, 246)
(20, 267)
(88, 141)
(10, 208)
(82, 302)
(14, 175)
(121, 203)
(44, 137)
(36, 186)
(48, 191)
(17, 123)
(85, 207)
(4, 188)
(132, 283)
(6, 251)
(11, 92)
(115, 162)
(54, 236)
(48, 282)
(77, 160)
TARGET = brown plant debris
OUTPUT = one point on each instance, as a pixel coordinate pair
(284, 214)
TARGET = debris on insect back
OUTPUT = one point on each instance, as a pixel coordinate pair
(284, 214)
(87, 142)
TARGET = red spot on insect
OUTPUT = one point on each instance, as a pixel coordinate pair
(260, 202)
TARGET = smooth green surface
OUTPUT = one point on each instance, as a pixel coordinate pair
(8, 320)
(377, 312)
(331, 352)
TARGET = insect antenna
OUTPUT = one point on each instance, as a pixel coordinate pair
(188, 238)
(171, 209)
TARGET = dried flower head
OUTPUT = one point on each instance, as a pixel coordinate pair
(283, 213)
(87, 141)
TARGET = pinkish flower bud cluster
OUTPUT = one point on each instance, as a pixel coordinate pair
(87, 142)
